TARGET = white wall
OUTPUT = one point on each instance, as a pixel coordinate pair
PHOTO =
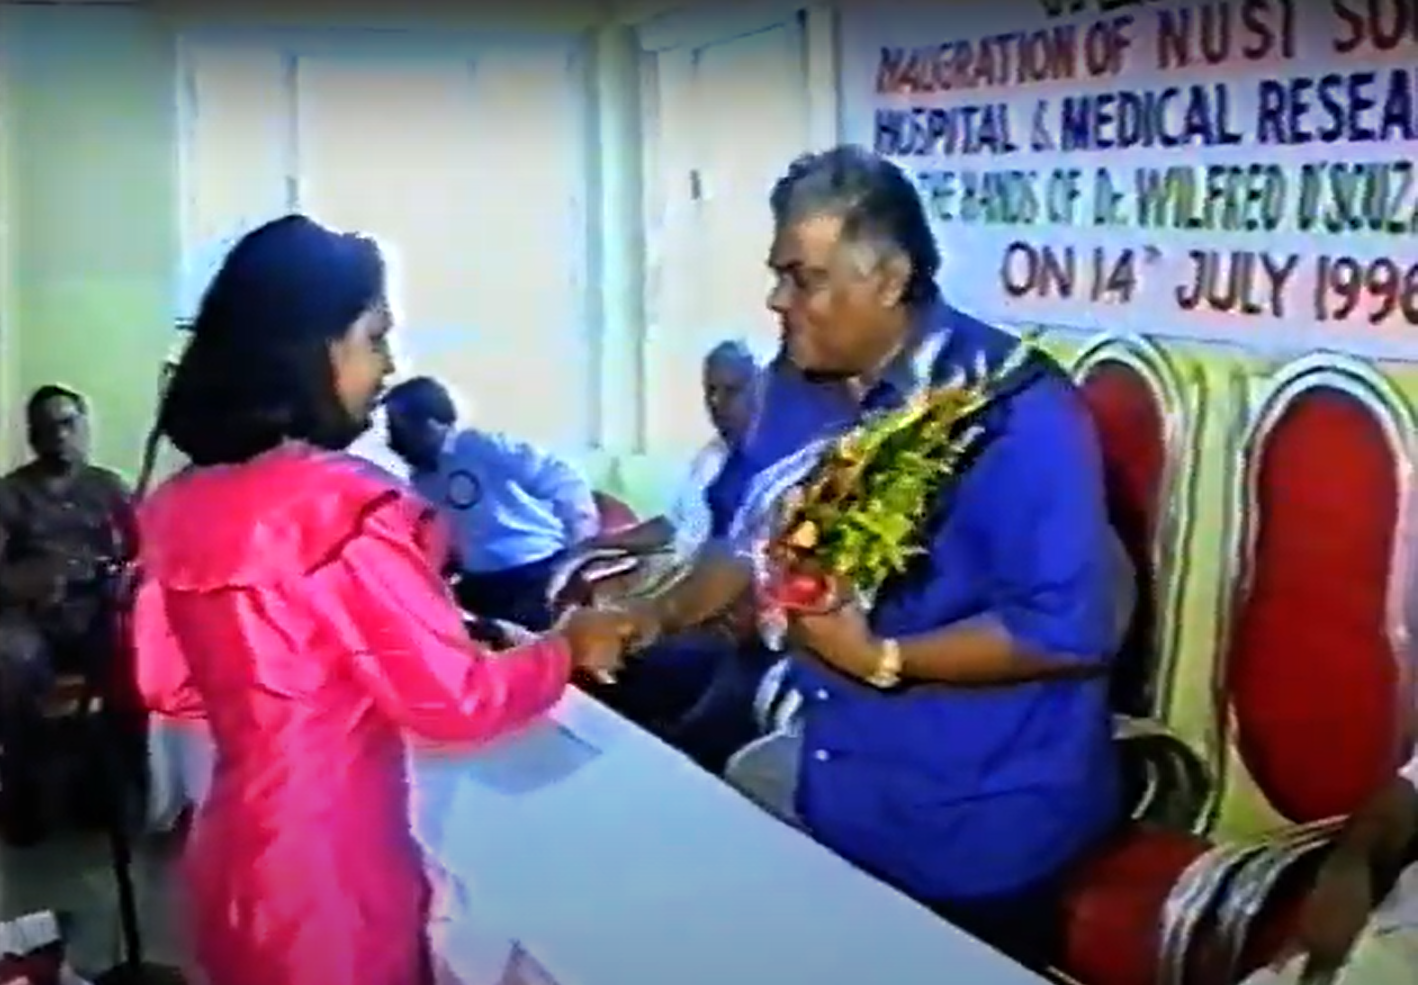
(102, 216)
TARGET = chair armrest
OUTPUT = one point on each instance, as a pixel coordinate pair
(574, 581)
(1255, 888)
(1173, 783)
(775, 704)
(1226, 884)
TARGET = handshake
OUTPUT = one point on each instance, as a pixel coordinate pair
(601, 639)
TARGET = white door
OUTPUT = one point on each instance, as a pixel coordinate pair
(472, 169)
(727, 111)
(467, 159)
(236, 104)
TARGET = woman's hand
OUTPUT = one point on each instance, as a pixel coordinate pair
(1335, 914)
(840, 638)
(642, 623)
(598, 640)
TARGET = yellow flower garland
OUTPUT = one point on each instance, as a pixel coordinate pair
(857, 516)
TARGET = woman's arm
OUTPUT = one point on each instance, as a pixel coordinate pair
(163, 676)
(407, 643)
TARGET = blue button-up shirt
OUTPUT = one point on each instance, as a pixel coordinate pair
(510, 503)
(955, 794)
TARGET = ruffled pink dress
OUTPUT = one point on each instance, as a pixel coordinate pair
(294, 603)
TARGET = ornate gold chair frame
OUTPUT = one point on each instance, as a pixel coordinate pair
(1230, 885)
(1177, 780)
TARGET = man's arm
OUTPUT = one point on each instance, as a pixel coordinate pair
(1374, 846)
(1048, 553)
(717, 578)
(721, 572)
(557, 482)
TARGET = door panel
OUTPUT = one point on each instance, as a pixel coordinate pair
(732, 112)
(473, 170)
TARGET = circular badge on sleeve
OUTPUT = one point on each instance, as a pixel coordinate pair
(464, 490)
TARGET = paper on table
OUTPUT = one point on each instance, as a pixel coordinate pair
(26, 934)
(523, 969)
(542, 755)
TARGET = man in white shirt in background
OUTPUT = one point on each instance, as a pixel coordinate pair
(1360, 924)
(695, 689)
(515, 509)
(730, 388)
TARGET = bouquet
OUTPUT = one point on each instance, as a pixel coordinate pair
(856, 518)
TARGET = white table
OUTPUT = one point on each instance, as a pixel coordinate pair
(615, 861)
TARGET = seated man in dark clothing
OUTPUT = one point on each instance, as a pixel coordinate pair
(61, 521)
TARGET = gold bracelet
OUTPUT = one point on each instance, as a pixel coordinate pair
(888, 666)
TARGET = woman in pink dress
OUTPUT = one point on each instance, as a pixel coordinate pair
(291, 598)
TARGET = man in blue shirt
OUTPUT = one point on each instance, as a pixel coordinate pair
(956, 738)
(514, 508)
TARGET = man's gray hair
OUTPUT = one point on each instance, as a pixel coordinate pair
(735, 353)
(879, 207)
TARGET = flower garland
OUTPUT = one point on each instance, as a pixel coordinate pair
(856, 518)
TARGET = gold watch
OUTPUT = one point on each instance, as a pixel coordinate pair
(887, 673)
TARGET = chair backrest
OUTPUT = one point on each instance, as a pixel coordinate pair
(1142, 410)
(1312, 690)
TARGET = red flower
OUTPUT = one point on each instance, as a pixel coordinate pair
(799, 590)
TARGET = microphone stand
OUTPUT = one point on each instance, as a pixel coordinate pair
(119, 581)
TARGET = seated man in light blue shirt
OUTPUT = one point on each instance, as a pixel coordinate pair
(514, 508)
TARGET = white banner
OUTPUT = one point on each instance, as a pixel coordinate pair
(1237, 170)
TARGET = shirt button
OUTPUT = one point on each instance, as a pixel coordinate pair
(820, 694)
(821, 755)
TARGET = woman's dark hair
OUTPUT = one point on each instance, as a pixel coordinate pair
(257, 371)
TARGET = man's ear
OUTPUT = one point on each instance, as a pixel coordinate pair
(895, 277)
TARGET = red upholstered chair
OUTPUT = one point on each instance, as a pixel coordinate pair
(1309, 688)
(1142, 410)
(1145, 427)
(1144, 417)
(615, 514)
(583, 577)
(1312, 683)
(1113, 932)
